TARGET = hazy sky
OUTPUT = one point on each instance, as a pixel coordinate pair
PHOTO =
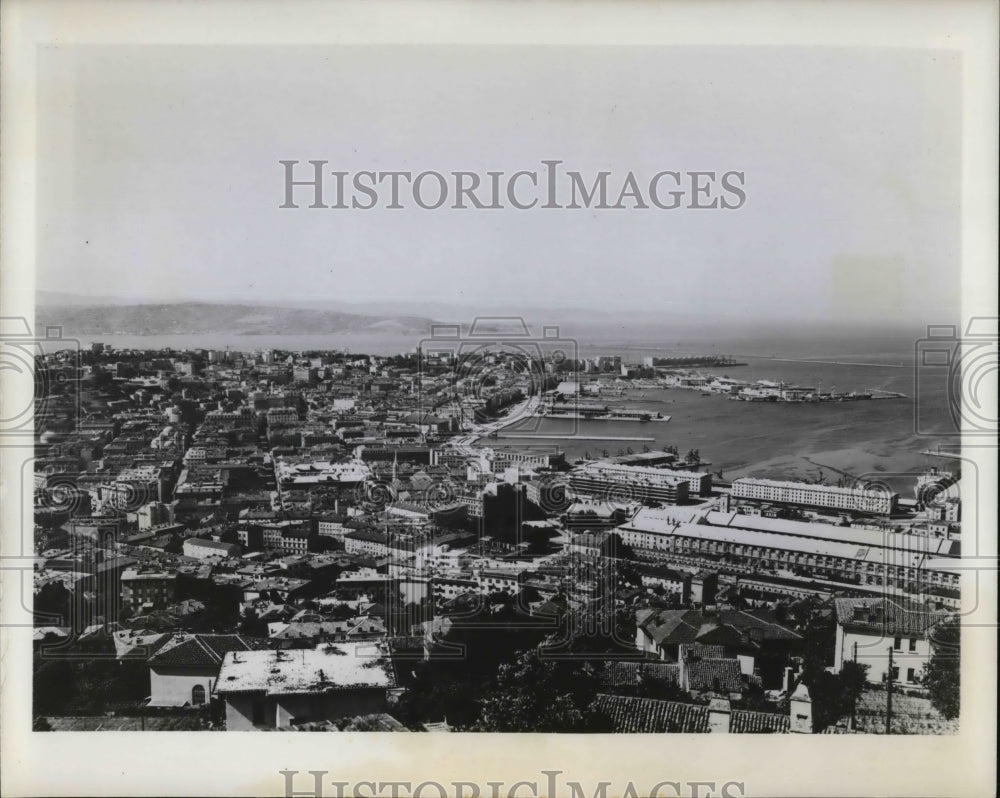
(159, 176)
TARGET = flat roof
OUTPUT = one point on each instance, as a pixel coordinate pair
(664, 521)
(826, 548)
(908, 553)
(326, 668)
(847, 534)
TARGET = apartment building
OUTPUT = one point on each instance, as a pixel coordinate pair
(871, 500)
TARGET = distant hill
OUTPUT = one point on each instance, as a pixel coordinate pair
(656, 322)
(61, 299)
(185, 318)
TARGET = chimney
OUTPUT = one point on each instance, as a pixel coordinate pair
(719, 715)
(800, 711)
(786, 681)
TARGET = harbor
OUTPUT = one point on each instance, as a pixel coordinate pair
(769, 391)
(637, 416)
(579, 437)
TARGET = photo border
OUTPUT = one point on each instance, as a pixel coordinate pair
(248, 764)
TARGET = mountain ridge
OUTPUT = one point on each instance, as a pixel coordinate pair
(186, 318)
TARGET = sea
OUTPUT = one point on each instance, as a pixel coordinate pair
(879, 438)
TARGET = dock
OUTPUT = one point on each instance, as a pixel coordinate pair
(584, 417)
(577, 437)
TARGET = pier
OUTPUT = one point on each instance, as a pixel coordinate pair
(826, 362)
(588, 417)
(577, 437)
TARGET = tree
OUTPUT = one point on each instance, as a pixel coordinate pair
(627, 575)
(54, 600)
(252, 626)
(818, 635)
(854, 677)
(535, 695)
(829, 702)
(52, 686)
(430, 698)
(613, 546)
(942, 676)
(174, 546)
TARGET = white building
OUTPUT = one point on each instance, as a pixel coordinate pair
(204, 549)
(868, 628)
(872, 499)
(278, 689)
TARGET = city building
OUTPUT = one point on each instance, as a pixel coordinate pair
(794, 549)
(280, 689)
(204, 549)
(626, 484)
(868, 628)
(873, 500)
(368, 542)
(143, 591)
(184, 671)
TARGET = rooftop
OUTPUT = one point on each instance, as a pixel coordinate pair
(808, 539)
(634, 715)
(205, 543)
(634, 470)
(714, 674)
(774, 483)
(198, 651)
(323, 669)
(885, 616)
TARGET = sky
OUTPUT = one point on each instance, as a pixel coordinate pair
(159, 176)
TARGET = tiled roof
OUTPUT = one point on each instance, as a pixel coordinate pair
(718, 635)
(732, 627)
(199, 651)
(631, 715)
(714, 674)
(885, 616)
(757, 622)
(641, 616)
(704, 651)
(137, 645)
(311, 629)
(672, 627)
(630, 674)
(746, 722)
